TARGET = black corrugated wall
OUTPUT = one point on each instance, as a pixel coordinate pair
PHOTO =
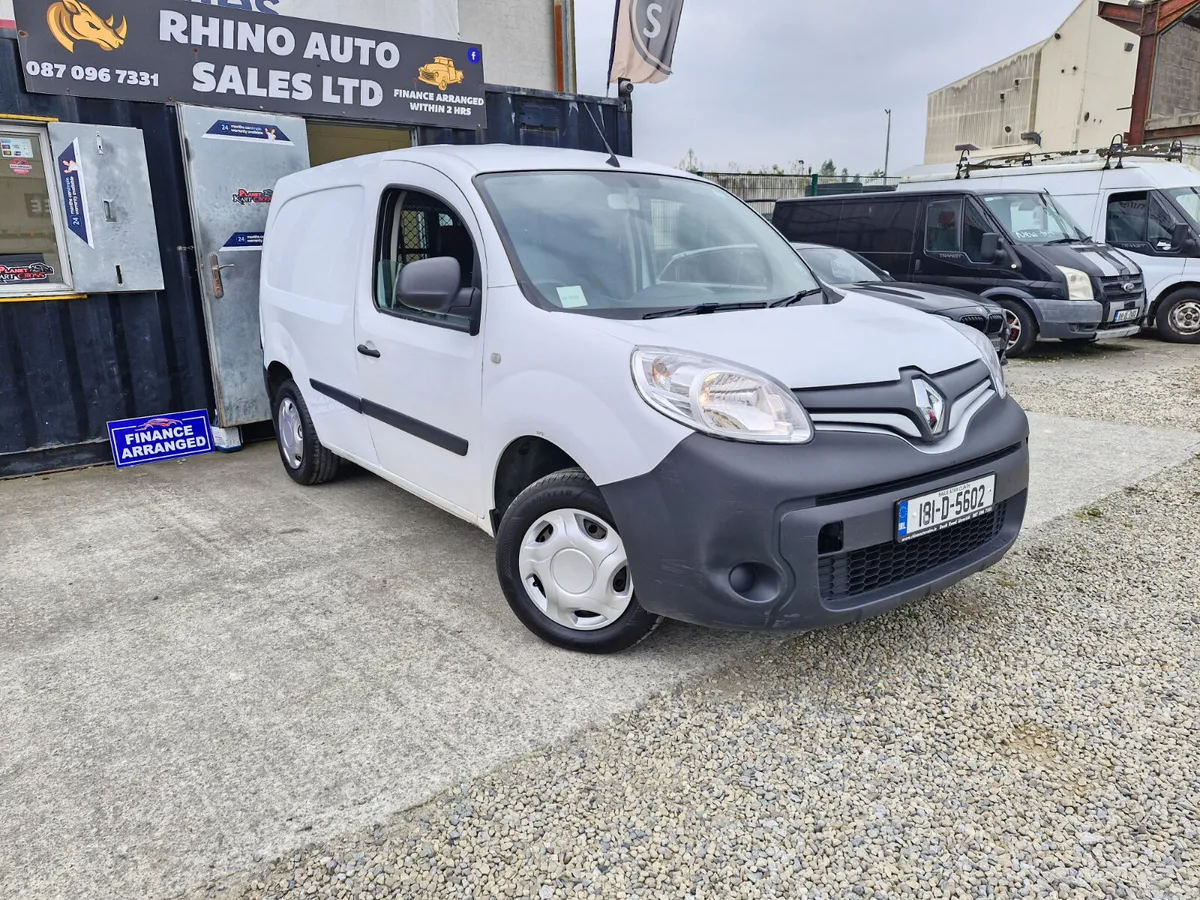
(67, 367)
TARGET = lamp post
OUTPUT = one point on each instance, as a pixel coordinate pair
(887, 152)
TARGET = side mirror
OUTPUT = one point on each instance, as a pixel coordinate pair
(989, 247)
(429, 285)
(1183, 238)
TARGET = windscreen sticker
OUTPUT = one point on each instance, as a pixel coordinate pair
(571, 297)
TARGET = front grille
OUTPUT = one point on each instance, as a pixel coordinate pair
(977, 322)
(995, 323)
(1114, 287)
(863, 571)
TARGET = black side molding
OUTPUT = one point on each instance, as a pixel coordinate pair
(334, 394)
(418, 429)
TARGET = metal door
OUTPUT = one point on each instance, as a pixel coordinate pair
(233, 159)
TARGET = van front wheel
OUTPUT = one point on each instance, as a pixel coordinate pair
(304, 458)
(1021, 325)
(1178, 318)
(564, 569)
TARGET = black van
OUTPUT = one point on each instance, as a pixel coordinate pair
(1016, 248)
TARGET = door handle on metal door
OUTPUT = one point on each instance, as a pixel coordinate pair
(368, 350)
(215, 266)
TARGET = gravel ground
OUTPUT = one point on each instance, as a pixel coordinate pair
(1030, 733)
(1143, 381)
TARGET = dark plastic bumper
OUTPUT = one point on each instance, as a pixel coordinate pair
(757, 537)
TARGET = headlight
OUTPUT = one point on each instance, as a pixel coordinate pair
(1079, 285)
(719, 398)
(989, 355)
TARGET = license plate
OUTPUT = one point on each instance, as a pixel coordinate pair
(933, 512)
(1125, 315)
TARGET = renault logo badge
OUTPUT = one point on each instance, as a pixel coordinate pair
(931, 405)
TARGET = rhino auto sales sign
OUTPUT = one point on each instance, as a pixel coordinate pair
(163, 51)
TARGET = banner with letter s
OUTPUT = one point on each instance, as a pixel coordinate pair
(643, 42)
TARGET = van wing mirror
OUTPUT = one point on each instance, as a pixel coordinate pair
(429, 285)
(1182, 238)
(989, 247)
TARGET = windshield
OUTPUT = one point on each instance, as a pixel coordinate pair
(836, 266)
(625, 243)
(1033, 218)
(1187, 199)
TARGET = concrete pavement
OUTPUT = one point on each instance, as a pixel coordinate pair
(203, 663)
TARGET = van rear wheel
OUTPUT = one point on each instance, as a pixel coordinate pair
(564, 568)
(304, 458)
(1021, 326)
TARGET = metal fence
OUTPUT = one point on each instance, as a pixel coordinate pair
(762, 191)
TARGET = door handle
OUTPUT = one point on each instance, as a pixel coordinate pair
(367, 350)
(215, 266)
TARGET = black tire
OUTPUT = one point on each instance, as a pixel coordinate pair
(1178, 317)
(568, 489)
(316, 464)
(1026, 325)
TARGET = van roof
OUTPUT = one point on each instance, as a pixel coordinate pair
(472, 159)
(960, 188)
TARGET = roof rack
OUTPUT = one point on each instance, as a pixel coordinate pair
(1118, 150)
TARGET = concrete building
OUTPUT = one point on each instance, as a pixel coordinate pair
(1073, 90)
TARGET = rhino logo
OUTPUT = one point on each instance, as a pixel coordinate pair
(72, 21)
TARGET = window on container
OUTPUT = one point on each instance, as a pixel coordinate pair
(32, 255)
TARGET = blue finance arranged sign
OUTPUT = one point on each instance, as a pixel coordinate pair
(158, 438)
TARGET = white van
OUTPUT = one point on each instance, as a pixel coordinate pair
(1144, 202)
(636, 385)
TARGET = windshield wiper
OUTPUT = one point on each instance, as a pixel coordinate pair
(701, 309)
(1067, 240)
(795, 298)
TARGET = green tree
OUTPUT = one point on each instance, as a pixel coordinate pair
(828, 169)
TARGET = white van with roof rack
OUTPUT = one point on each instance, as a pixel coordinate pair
(637, 386)
(1144, 200)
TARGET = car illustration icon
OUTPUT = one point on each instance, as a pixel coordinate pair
(441, 73)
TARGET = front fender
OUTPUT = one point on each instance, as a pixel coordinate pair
(605, 426)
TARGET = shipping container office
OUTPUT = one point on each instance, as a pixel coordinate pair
(74, 359)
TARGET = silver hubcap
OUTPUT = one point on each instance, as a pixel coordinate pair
(575, 570)
(1013, 324)
(291, 433)
(1185, 317)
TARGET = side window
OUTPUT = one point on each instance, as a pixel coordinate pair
(1161, 226)
(1127, 217)
(414, 226)
(808, 221)
(32, 255)
(855, 227)
(975, 226)
(892, 227)
(941, 226)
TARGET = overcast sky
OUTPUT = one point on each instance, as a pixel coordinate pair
(759, 82)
